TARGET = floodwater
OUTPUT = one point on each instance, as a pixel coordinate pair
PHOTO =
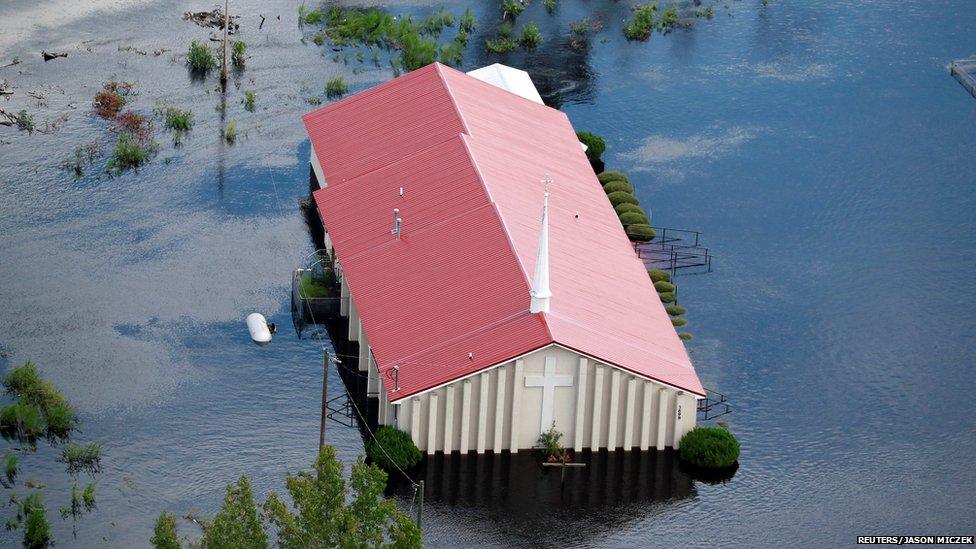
(821, 147)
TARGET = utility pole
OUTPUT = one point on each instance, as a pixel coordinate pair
(325, 396)
(223, 64)
(420, 507)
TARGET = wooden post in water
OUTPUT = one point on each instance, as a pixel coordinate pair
(223, 64)
(325, 396)
(420, 507)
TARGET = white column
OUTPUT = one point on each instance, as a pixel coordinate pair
(465, 415)
(432, 423)
(415, 422)
(685, 408)
(343, 298)
(662, 417)
(517, 382)
(629, 414)
(614, 409)
(645, 436)
(483, 413)
(580, 405)
(449, 421)
(381, 413)
(499, 409)
(597, 407)
(354, 327)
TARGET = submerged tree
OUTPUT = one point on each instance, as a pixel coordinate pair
(319, 514)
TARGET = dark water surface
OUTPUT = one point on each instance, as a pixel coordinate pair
(821, 146)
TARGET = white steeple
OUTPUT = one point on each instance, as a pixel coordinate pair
(540, 282)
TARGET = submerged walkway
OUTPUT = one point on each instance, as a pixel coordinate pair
(965, 72)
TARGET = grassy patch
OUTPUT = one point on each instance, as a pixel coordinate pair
(336, 87)
(112, 97)
(199, 58)
(82, 457)
(249, 98)
(501, 45)
(511, 9)
(10, 465)
(311, 286)
(88, 497)
(550, 5)
(39, 407)
(37, 530)
(230, 132)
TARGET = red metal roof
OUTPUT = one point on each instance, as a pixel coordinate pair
(470, 158)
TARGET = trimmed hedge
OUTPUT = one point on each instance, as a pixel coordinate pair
(640, 232)
(632, 218)
(675, 310)
(617, 185)
(399, 449)
(663, 286)
(710, 447)
(625, 207)
(666, 297)
(607, 177)
(657, 275)
(685, 336)
(620, 197)
(678, 321)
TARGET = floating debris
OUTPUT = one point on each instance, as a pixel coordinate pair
(49, 55)
(213, 19)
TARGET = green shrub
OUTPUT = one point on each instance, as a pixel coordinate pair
(678, 321)
(632, 218)
(550, 5)
(505, 29)
(37, 530)
(25, 122)
(595, 146)
(663, 286)
(60, 419)
(530, 37)
(451, 53)
(249, 98)
(675, 310)
(24, 417)
(88, 497)
(199, 58)
(512, 9)
(164, 534)
(614, 186)
(685, 336)
(416, 52)
(640, 232)
(657, 275)
(669, 18)
(501, 45)
(467, 23)
(130, 152)
(620, 197)
(625, 207)
(23, 379)
(393, 448)
(641, 26)
(178, 120)
(313, 17)
(666, 297)
(238, 55)
(609, 176)
(336, 87)
(710, 447)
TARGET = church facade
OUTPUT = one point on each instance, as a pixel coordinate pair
(486, 277)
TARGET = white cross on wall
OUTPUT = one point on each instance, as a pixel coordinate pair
(548, 381)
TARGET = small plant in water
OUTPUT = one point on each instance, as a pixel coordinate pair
(336, 87)
(530, 37)
(550, 442)
(82, 457)
(249, 97)
(177, 119)
(199, 58)
(641, 26)
(238, 54)
(230, 132)
(511, 9)
(550, 5)
(25, 122)
(37, 530)
(130, 152)
(10, 465)
(88, 497)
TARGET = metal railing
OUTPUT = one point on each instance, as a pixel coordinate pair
(713, 405)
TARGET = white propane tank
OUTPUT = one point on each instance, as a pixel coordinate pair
(258, 326)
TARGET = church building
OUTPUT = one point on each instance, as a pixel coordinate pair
(485, 275)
